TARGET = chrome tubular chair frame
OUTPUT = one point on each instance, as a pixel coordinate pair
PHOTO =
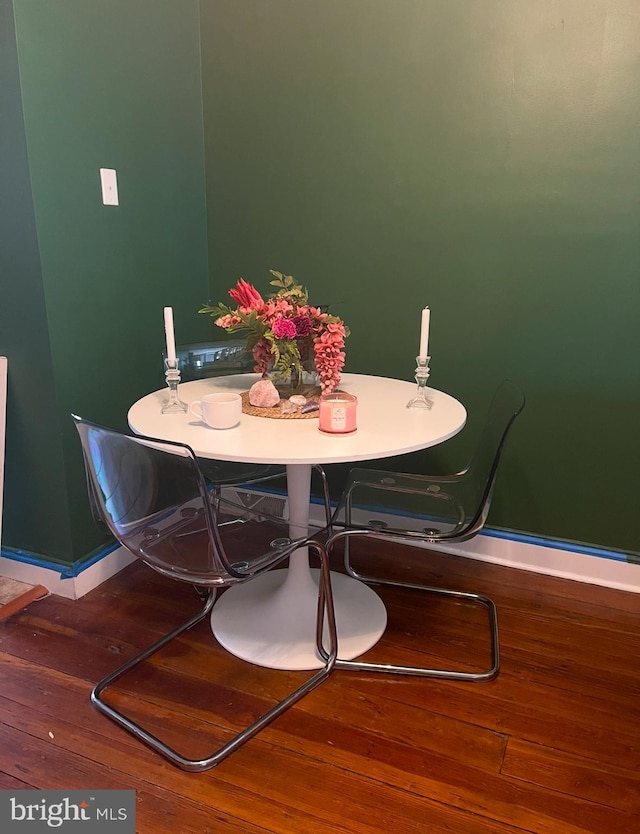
(420, 671)
(325, 606)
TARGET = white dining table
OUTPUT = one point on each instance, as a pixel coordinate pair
(271, 620)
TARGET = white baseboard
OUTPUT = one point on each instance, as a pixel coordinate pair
(71, 587)
(552, 561)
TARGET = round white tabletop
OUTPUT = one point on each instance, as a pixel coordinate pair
(386, 427)
(271, 619)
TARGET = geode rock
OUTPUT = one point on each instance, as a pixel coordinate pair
(264, 394)
(287, 407)
(309, 407)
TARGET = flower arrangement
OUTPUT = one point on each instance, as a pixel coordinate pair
(284, 331)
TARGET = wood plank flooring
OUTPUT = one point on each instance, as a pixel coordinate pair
(552, 746)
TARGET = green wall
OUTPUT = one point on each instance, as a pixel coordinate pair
(24, 336)
(101, 84)
(478, 157)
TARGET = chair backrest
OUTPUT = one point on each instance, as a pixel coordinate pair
(155, 501)
(478, 477)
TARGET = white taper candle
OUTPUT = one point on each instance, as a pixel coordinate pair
(424, 334)
(168, 329)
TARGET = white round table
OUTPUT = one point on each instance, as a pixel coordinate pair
(271, 620)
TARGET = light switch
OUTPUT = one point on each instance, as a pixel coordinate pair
(109, 186)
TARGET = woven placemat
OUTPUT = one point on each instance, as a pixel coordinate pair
(275, 412)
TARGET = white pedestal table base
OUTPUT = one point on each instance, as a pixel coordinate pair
(263, 622)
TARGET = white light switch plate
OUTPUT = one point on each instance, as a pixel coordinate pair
(109, 186)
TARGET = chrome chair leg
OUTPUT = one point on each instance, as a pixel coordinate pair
(421, 671)
(325, 494)
(325, 609)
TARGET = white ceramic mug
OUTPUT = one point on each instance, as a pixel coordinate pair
(219, 411)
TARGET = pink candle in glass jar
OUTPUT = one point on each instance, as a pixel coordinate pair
(337, 412)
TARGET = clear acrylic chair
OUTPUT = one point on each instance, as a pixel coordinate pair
(411, 509)
(155, 501)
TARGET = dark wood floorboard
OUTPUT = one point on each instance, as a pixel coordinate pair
(552, 746)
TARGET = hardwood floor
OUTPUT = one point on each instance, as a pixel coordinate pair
(552, 746)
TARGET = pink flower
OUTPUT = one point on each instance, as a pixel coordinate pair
(303, 325)
(246, 296)
(262, 356)
(228, 321)
(284, 329)
(329, 356)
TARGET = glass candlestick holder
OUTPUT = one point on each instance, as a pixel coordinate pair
(173, 404)
(422, 398)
